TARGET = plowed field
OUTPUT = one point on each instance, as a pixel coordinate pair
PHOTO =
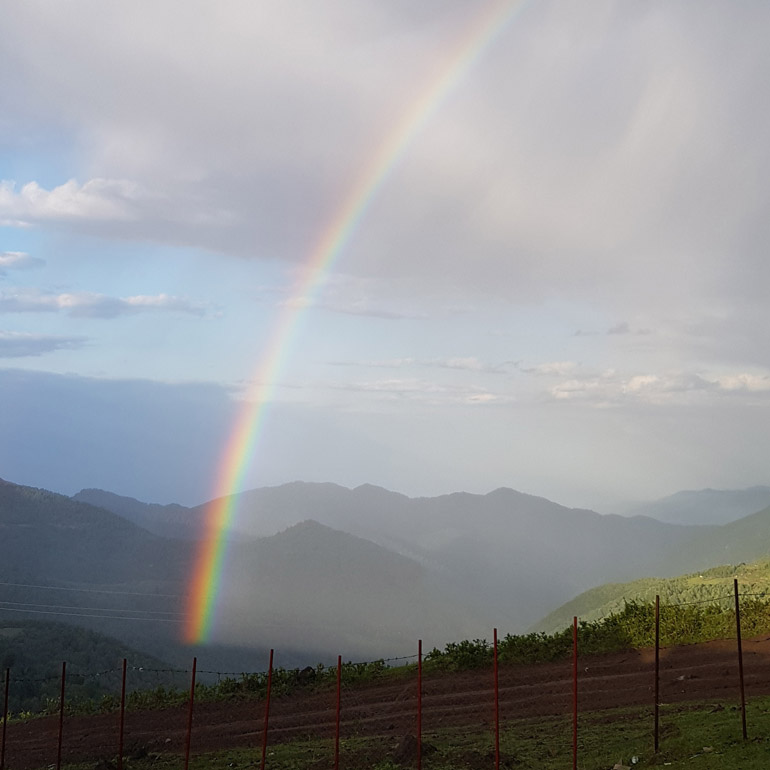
(388, 707)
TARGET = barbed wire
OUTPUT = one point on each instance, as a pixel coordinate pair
(710, 600)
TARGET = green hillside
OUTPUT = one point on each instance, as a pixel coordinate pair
(713, 584)
(34, 651)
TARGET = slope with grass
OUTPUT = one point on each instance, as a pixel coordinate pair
(716, 584)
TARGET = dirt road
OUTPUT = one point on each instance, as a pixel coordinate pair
(696, 672)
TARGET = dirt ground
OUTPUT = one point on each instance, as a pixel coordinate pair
(388, 708)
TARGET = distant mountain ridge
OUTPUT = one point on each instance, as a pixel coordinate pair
(511, 554)
(47, 536)
(171, 520)
(310, 590)
(317, 568)
(706, 506)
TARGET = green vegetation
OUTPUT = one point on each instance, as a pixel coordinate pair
(697, 736)
(631, 627)
(34, 652)
(709, 585)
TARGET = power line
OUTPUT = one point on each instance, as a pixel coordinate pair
(91, 590)
(85, 615)
(93, 609)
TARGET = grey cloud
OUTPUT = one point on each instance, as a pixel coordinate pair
(156, 441)
(590, 191)
(18, 260)
(550, 368)
(364, 309)
(24, 344)
(613, 155)
(424, 391)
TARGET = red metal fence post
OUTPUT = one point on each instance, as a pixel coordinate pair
(190, 716)
(267, 710)
(574, 691)
(122, 715)
(419, 705)
(5, 717)
(497, 704)
(656, 730)
(339, 702)
(740, 658)
(61, 714)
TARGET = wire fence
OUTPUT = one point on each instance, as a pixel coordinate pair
(406, 696)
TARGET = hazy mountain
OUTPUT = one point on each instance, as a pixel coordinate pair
(51, 537)
(745, 540)
(370, 570)
(715, 583)
(513, 555)
(310, 591)
(335, 592)
(706, 506)
(172, 520)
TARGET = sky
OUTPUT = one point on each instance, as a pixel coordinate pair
(557, 284)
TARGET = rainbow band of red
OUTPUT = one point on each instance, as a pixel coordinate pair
(206, 580)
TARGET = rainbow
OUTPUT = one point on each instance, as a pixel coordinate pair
(235, 461)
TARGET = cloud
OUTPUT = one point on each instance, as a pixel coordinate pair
(89, 305)
(611, 388)
(456, 363)
(424, 391)
(632, 170)
(18, 260)
(750, 383)
(467, 363)
(364, 309)
(23, 344)
(95, 201)
(551, 368)
(152, 440)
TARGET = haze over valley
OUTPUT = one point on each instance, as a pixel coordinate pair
(318, 569)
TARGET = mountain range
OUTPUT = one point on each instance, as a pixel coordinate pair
(316, 569)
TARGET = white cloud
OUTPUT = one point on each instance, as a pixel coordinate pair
(752, 383)
(95, 201)
(668, 388)
(90, 305)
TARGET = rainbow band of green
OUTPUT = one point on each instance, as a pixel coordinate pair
(206, 580)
